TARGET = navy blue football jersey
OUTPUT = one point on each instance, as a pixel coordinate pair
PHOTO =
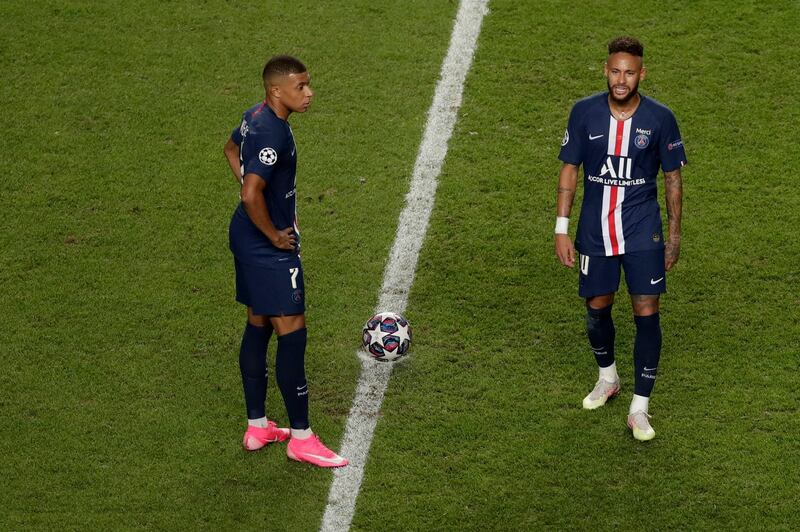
(620, 159)
(266, 148)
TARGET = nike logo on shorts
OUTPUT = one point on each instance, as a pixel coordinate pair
(656, 281)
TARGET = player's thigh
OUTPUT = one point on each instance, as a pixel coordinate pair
(644, 272)
(598, 276)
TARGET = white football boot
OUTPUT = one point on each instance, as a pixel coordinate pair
(602, 392)
(639, 422)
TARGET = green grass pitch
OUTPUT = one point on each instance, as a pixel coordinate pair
(120, 401)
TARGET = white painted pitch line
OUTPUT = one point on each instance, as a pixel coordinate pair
(399, 274)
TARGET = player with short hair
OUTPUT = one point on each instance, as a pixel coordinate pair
(622, 138)
(265, 242)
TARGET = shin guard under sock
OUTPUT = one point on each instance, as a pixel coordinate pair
(601, 333)
(253, 366)
(291, 375)
(646, 353)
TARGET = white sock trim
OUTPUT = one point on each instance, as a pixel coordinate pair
(609, 374)
(260, 422)
(302, 434)
(639, 404)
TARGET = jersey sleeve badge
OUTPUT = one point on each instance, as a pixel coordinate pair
(268, 156)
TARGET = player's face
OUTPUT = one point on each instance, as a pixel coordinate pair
(623, 72)
(295, 92)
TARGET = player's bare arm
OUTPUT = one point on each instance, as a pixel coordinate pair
(256, 208)
(673, 187)
(232, 155)
(567, 185)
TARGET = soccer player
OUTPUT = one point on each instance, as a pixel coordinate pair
(622, 137)
(265, 242)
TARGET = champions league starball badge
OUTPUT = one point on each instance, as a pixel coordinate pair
(268, 156)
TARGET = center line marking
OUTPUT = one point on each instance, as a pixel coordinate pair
(399, 274)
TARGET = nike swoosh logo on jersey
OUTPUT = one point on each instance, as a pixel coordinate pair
(595, 137)
(656, 281)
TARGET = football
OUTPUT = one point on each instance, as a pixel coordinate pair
(386, 336)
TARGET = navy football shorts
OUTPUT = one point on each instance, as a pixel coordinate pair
(274, 290)
(644, 273)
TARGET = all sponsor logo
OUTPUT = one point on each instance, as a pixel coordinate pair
(622, 171)
(617, 173)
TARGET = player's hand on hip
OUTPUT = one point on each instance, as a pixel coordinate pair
(285, 239)
(672, 250)
(565, 251)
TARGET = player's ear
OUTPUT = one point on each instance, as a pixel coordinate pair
(642, 73)
(275, 91)
(605, 69)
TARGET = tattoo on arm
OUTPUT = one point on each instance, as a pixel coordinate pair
(570, 192)
(567, 185)
(673, 184)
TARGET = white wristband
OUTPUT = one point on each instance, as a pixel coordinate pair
(562, 223)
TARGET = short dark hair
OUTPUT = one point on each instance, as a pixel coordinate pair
(629, 45)
(282, 65)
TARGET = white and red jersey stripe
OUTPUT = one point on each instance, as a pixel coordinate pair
(619, 134)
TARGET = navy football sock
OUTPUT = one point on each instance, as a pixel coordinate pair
(646, 353)
(253, 366)
(291, 374)
(601, 333)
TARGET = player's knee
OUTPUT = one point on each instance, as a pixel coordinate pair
(600, 302)
(644, 305)
(288, 324)
(256, 320)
